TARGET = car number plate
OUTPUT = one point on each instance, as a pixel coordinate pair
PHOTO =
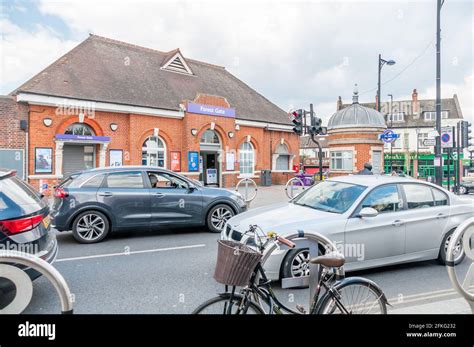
(46, 221)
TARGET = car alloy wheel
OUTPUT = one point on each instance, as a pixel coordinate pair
(300, 264)
(462, 190)
(457, 251)
(90, 227)
(220, 216)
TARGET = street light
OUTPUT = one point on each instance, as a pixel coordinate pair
(382, 62)
(417, 149)
(391, 126)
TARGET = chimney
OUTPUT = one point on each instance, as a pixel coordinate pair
(414, 102)
(339, 104)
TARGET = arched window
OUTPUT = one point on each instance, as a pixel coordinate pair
(283, 159)
(210, 138)
(154, 152)
(79, 129)
(247, 158)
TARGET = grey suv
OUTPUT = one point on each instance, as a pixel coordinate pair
(24, 226)
(95, 202)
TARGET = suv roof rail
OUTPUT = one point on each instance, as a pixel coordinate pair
(7, 173)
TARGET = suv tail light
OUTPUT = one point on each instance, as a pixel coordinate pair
(16, 226)
(60, 193)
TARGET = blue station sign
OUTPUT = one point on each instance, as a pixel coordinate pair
(389, 136)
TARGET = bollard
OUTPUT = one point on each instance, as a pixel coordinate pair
(47, 270)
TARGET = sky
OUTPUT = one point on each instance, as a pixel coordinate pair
(292, 52)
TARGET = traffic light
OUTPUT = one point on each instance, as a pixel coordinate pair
(466, 134)
(298, 121)
(316, 127)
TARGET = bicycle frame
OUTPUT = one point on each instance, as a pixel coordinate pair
(263, 290)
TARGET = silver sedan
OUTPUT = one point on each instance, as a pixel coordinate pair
(374, 220)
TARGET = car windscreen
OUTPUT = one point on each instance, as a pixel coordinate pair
(330, 196)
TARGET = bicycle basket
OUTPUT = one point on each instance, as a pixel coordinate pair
(235, 263)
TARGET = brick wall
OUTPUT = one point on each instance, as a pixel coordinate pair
(133, 129)
(10, 115)
(362, 151)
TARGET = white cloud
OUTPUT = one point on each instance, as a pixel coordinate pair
(292, 52)
(464, 92)
(24, 54)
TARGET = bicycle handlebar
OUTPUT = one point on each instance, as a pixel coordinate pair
(286, 242)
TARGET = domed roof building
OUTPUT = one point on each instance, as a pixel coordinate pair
(353, 138)
(357, 116)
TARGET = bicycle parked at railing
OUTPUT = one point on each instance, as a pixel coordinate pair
(240, 266)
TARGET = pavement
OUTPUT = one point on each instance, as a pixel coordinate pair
(170, 271)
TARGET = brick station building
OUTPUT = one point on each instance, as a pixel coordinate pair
(108, 102)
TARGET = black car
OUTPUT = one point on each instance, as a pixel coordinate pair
(24, 223)
(466, 187)
(95, 202)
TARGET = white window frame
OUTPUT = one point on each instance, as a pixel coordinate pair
(432, 115)
(347, 161)
(247, 155)
(164, 150)
(397, 117)
(420, 138)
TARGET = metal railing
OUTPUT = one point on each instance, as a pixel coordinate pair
(250, 190)
(464, 234)
(294, 187)
(43, 267)
(313, 242)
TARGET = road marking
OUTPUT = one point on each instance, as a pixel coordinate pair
(130, 253)
(423, 296)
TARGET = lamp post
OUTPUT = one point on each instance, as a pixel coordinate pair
(391, 127)
(382, 62)
(438, 168)
(417, 149)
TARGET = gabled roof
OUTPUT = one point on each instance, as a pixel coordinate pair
(106, 70)
(177, 63)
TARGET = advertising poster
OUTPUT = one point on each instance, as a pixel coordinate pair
(43, 160)
(176, 161)
(193, 161)
(115, 157)
(230, 161)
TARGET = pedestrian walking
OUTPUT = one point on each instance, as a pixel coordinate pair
(367, 170)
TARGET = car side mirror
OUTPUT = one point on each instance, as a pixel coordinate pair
(191, 187)
(368, 212)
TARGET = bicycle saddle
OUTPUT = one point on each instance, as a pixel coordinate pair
(334, 259)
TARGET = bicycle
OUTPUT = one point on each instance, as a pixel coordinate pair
(354, 295)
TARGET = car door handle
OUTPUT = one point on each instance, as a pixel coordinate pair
(397, 223)
(105, 194)
(159, 195)
(440, 215)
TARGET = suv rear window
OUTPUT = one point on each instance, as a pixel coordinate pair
(14, 192)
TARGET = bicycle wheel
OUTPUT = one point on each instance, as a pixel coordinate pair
(220, 305)
(356, 295)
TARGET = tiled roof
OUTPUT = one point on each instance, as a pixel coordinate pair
(106, 70)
